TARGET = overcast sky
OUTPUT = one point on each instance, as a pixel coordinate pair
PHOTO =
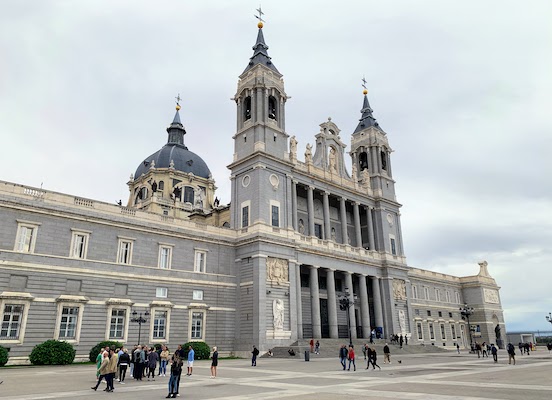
(463, 90)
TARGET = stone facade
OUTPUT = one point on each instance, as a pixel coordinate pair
(267, 269)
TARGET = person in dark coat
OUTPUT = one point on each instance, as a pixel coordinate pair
(124, 361)
(343, 356)
(494, 352)
(153, 357)
(214, 363)
(254, 353)
(373, 358)
(174, 380)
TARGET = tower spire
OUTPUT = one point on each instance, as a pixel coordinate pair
(176, 130)
(367, 119)
(260, 53)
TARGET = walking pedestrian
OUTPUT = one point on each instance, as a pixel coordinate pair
(99, 359)
(478, 350)
(103, 370)
(386, 354)
(311, 345)
(401, 341)
(458, 348)
(214, 363)
(111, 369)
(174, 380)
(124, 361)
(364, 348)
(191, 357)
(484, 348)
(254, 355)
(343, 356)
(351, 357)
(373, 359)
(406, 340)
(511, 353)
(494, 352)
(372, 334)
(317, 347)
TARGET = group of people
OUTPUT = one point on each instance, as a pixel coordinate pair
(143, 361)
(370, 355)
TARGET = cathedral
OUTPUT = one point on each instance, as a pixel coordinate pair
(300, 235)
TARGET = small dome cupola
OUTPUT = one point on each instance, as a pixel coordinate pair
(176, 130)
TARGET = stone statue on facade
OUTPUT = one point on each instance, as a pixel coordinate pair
(402, 321)
(366, 179)
(276, 270)
(308, 154)
(278, 314)
(292, 149)
(199, 197)
(332, 161)
(399, 289)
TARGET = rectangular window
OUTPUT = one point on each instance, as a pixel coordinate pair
(80, 245)
(11, 321)
(443, 334)
(305, 280)
(68, 324)
(450, 315)
(431, 333)
(189, 195)
(338, 285)
(429, 313)
(165, 256)
(322, 283)
(117, 324)
(275, 216)
(125, 251)
(26, 237)
(200, 261)
(393, 248)
(457, 298)
(245, 216)
(161, 292)
(447, 295)
(197, 295)
(426, 293)
(159, 324)
(417, 311)
(415, 292)
(197, 325)
(437, 295)
(420, 331)
(318, 231)
(453, 330)
(440, 313)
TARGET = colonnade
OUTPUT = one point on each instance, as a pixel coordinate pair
(361, 300)
(357, 209)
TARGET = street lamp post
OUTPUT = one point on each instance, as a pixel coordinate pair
(345, 304)
(138, 318)
(549, 317)
(466, 312)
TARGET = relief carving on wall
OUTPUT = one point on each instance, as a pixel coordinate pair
(399, 289)
(278, 314)
(402, 321)
(277, 270)
(491, 296)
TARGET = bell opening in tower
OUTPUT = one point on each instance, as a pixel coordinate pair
(272, 107)
(247, 108)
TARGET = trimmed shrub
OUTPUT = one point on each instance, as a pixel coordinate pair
(201, 349)
(94, 351)
(3, 356)
(52, 352)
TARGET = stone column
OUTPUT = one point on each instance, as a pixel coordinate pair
(299, 301)
(327, 227)
(371, 241)
(332, 304)
(377, 302)
(356, 217)
(364, 309)
(351, 311)
(388, 156)
(375, 160)
(315, 303)
(294, 204)
(343, 212)
(310, 206)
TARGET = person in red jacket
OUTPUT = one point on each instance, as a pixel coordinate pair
(351, 357)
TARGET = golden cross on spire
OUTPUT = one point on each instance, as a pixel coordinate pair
(365, 91)
(261, 13)
(178, 99)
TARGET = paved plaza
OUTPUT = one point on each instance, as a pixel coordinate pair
(440, 376)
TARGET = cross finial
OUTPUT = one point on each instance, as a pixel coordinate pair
(177, 98)
(363, 82)
(261, 13)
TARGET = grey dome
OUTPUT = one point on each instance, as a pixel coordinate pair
(184, 160)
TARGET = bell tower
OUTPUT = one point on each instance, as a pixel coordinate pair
(260, 102)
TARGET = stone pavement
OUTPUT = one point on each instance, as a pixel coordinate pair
(438, 376)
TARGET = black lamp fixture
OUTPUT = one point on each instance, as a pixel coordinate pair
(139, 319)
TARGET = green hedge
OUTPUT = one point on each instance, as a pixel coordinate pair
(94, 351)
(202, 351)
(52, 352)
(3, 356)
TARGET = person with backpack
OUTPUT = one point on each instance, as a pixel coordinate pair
(511, 353)
(254, 353)
(494, 352)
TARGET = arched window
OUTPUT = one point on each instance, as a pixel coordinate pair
(363, 160)
(247, 108)
(161, 185)
(272, 107)
(383, 160)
